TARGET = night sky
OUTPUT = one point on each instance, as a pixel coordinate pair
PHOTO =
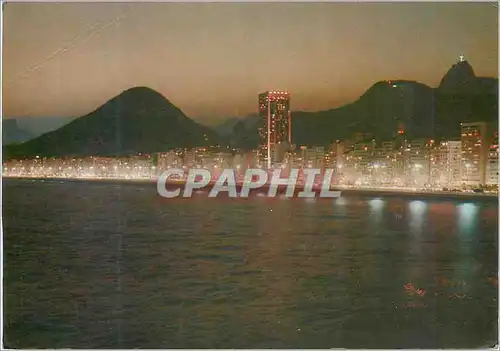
(212, 59)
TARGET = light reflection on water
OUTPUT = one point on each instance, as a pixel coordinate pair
(376, 204)
(417, 216)
(89, 266)
(342, 201)
(467, 217)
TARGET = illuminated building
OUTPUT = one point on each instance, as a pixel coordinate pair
(492, 161)
(385, 166)
(223, 159)
(313, 157)
(189, 157)
(251, 159)
(237, 162)
(445, 163)
(278, 152)
(335, 157)
(168, 159)
(474, 153)
(204, 157)
(382, 153)
(417, 161)
(360, 155)
(275, 125)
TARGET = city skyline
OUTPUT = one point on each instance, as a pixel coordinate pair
(419, 164)
(81, 69)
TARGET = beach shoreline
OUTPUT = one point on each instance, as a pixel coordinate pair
(345, 191)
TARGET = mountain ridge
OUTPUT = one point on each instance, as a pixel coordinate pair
(137, 120)
(12, 133)
(140, 119)
(427, 112)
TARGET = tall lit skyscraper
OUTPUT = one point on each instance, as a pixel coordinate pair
(275, 130)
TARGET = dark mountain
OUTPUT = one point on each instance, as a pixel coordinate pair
(245, 134)
(12, 133)
(463, 97)
(250, 120)
(138, 120)
(379, 111)
(241, 132)
(226, 127)
(459, 78)
(37, 126)
(424, 112)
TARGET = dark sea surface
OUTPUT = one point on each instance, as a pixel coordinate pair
(89, 265)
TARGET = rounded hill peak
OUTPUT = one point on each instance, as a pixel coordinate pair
(142, 89)
(139, 97)
(458, 75)
(141, 92)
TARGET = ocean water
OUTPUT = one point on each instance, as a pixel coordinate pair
(91, 265)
